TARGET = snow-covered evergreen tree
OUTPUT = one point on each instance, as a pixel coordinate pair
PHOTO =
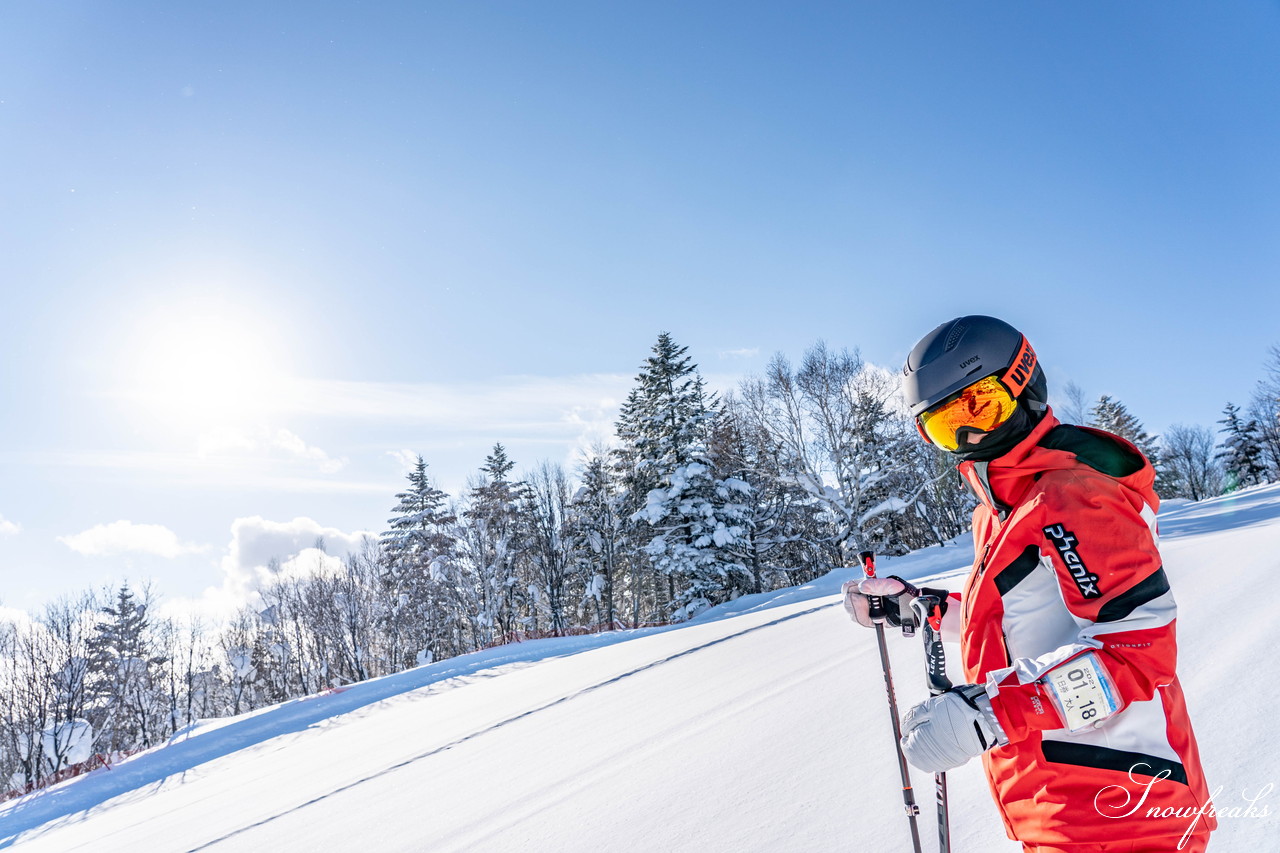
(1242, 453)
(124, 708)
(1111, 415)
(419, 527)
(490, 535)
(668, 411)
(693, 517)
(698, 520)
(420, 617)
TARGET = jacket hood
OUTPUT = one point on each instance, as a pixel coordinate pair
(1054, 446)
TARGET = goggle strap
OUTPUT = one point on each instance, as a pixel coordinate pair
(1019, 374)
(920, 429)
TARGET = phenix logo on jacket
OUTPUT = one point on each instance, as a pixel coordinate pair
(1069, 572)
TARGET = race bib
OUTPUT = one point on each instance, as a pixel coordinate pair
(1082, 691)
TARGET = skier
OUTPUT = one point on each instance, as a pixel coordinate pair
(1066, 621)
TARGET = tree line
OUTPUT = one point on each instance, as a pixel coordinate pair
(700, 499)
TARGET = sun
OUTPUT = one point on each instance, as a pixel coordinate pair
(203, 362)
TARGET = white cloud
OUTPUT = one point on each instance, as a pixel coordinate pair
(311, 562)
(9, 528)
(594, 426)
(295, 447)
(123, 537)
(745, 352)
(406, 459)
(266, 442)
(13, 616)
(242, 585)
(256, 542)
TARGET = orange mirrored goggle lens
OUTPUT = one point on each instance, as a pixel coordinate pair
(984, 405)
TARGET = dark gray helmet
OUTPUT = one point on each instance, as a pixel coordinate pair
(964, 350)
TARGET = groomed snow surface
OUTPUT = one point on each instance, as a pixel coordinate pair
(761, 725)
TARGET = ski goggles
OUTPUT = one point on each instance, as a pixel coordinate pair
(982, 406)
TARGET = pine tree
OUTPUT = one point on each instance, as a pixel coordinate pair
(419, 527)
(1241, 454)
(419, 546)
(492, 540)
(124, 710)
(689, 516)
(1111, 415)
(663, 418)
(698, 520)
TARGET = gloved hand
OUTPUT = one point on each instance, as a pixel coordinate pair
(895, 594)
(947, 730)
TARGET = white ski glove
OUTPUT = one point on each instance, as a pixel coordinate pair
(947, 730)
(895, 594)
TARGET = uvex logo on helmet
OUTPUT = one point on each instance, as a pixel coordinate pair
(1023, 368)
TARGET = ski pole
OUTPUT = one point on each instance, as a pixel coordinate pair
(876, 607)
(928, 611)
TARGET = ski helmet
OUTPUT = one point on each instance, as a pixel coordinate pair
(965, 351)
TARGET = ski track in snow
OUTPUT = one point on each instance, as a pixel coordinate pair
(759, 726)
(474, 836)
(525, 715)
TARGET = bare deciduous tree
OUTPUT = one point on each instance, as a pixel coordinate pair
(1187, 457)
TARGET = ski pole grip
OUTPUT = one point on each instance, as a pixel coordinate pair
(875, 603)
(924, 607)
(928, 610)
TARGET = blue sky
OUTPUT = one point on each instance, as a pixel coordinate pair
(253, 253)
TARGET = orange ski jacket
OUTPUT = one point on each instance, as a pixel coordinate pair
(1067, 562)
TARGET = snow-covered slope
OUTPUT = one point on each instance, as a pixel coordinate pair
(760, 726)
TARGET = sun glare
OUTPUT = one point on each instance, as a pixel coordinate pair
(203, 364)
